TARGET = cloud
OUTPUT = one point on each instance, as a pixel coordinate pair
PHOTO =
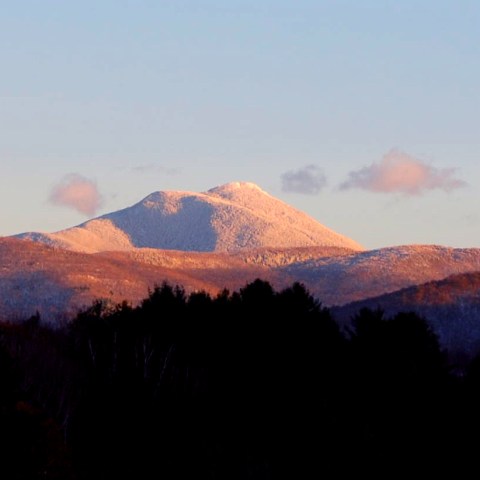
(399, 172)
(77, 192)
(308, 180)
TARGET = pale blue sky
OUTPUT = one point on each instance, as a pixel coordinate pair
(140, 96)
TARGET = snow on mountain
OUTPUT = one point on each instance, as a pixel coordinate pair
(338, 280)
(232, 217)
(225, 238)
(55, 281)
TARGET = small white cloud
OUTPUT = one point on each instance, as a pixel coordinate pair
(399, 172)
(77, 192)
(308, 180)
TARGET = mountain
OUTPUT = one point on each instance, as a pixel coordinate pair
(57, 282)
(347, 278)
(225, 238)
(451, 306)
(232, 217)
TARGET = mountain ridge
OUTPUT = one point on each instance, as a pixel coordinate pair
(34, 276)
(451, 306)
(227, 237)
(227, 218)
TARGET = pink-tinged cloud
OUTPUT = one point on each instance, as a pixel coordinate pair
(399, 172)
(77, 192)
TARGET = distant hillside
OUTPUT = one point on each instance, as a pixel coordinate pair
(451, 306)
(338, 280)
(56, 282)
(232, 217)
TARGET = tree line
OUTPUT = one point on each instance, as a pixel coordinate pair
(254, 384)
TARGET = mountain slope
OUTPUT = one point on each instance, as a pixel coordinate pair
(451, 306)
(57, 281)
(232, 217)
(347, 278)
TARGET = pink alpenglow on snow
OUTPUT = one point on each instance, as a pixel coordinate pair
(232, 217)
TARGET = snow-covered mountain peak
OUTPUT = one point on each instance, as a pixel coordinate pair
(235, 187)
(228, 218)
(168, 202)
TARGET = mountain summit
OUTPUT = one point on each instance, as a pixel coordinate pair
(231, 217)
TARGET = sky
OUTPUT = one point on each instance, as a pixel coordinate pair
(363, 114)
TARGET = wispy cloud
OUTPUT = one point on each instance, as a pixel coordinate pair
(77, 192)
(308, 180)
(399, 172)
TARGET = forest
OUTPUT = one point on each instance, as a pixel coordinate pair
(254, 384)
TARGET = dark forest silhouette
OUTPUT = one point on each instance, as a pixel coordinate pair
(255, 384)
